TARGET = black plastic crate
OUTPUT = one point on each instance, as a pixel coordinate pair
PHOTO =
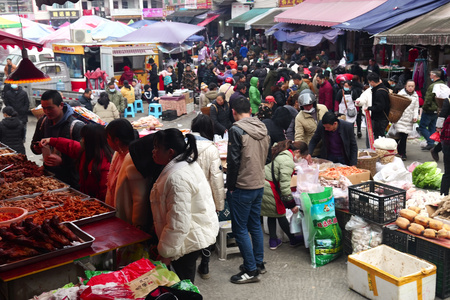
(440, 256)
(400, 241)
(342, 216)
(382, 208)
(347, 242)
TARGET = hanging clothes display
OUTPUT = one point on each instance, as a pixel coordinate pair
(419, 73)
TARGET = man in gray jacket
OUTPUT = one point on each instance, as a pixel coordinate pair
(248, 146)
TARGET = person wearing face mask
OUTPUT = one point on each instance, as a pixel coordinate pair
(308, 117)
(405, 125)
(86, 98)
(345, 98)
(394, 85)
(338, 140)
(429, 116)
(116, 97)
(17, 98)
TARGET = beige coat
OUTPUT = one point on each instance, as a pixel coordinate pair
(132, 194)
(108, 114)
(305, 126)
(228, 89)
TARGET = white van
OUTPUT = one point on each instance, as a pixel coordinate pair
(34, 55)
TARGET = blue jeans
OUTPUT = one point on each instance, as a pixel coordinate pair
(245, 208)
(427, 126)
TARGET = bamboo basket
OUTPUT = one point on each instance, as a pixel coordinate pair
(368, 163)
(398, 106)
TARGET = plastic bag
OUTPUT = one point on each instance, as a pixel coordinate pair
(392, 132)
(364, 235)
(325, 237)
(436, 137)
(385, 143)
(393, 172)
(308, 178)
(295, 225)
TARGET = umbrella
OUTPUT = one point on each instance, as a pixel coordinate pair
(111, 30)
(195, 38)
(162, 32)
(174, 48)
(7, 39)
(65, 24)
(5, 23)
(142, 23)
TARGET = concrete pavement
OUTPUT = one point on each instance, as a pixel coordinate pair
(289, 272)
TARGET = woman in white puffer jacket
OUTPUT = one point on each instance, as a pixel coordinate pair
(404, 126)
(182, 203)
(202, 128)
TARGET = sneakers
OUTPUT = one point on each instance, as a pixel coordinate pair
(245, 277)
(260, 267)
(203, 270)
(274, 243)
(434, 155)
(296, 241)
(428, 147)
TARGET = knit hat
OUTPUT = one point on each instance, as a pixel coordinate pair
(203, 86)
(229, 80)
(126, 68)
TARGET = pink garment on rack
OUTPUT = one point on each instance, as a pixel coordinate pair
(419, 76)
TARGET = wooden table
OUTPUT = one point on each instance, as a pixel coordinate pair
(110, 235)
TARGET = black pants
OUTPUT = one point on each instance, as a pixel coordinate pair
(154, 86)
(445, 184)
(185, 266)
(284, 224)
(438, 148)
(379, 128)
(359, 120)
(401, 147)
(206, 254)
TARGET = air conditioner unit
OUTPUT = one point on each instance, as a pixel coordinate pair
(80, 36)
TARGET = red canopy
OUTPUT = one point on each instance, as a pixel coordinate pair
(7, 39)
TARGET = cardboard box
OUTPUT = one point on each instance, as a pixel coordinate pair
(355, 178)
(189, 97)
(385, 273)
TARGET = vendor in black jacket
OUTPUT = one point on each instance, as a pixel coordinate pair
(338, 140)
(219, 113)
(380, 105)
(85, 99)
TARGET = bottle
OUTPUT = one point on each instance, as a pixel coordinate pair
(60, 86)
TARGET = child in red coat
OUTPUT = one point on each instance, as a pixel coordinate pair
(93, 156)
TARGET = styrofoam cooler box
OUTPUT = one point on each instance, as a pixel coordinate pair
(385, 273)
(189, 107)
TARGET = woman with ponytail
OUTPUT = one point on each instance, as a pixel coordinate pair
(277, 189)
(182, 204)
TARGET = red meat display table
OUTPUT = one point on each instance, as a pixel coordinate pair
(110, 235)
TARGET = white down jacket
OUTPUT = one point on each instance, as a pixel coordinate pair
(183, 210)
(209, 161)
(405, 124)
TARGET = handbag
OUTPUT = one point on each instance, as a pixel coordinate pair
(350, 112)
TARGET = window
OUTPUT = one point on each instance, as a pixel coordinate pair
(51, 70)
(116, 4)
(32, 58)
(84, 5)
(73, 62)
(146, 4)
(124, 4)
(68, 4)
(43, 7)
(45, 57)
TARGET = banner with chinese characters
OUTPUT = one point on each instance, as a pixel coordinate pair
(190, 4)
(204, 4)
(288, 3)
(64, 14)
(152, 13)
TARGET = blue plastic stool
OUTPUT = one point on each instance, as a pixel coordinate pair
(129, 111)
(155, 110)
(138, 106)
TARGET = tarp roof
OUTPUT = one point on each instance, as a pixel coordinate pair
(432, 28)
(327, 12)
(141, 23)
(189, 16)
(240, 20)
(267, 21)
(7, 39)
(389, 14)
